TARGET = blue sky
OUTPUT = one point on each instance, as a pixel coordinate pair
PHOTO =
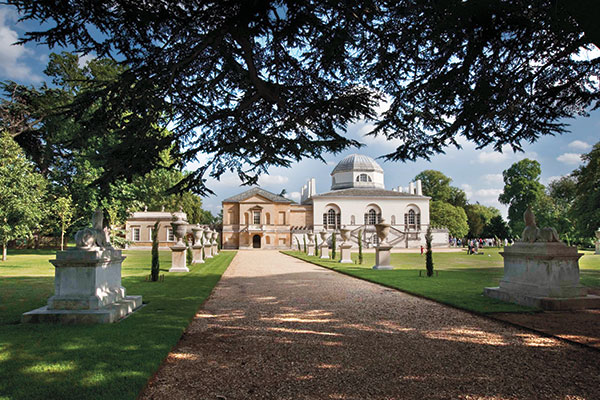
(478, 172)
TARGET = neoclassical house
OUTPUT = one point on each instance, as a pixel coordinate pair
(357, 200)
(140, 224)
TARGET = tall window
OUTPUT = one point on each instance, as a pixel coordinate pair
(352, 220)
(411, 217)
(372, 217)
(135, 234)
(150, 233)
(331, 217)
(256, 217)
(393, 220)
(170, 236)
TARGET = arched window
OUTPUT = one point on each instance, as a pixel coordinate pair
(363, 178)
(331, 217)
(411, 217)
(372, 217)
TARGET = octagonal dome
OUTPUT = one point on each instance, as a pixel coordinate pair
(357, 171)
(357, 162)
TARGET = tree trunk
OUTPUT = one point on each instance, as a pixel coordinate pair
(62, 239)
(4, 251)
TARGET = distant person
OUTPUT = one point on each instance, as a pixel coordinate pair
(421, 249)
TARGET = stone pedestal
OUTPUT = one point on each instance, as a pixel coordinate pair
(197, 254)
(324, 249)
(178, 259)
(87, 289)
(543, 275)
(310, 248)
(208, 250)
(215, 249)
(345, 250)
(383, 256)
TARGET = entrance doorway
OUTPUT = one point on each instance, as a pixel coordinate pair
(256, 241)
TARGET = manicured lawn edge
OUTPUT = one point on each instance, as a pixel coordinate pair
(109, 361)
(489, 316)
(412, 293)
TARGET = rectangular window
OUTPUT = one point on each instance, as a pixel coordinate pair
(150, 233)
(282, 217)
(170, 236)
(418, 221)
(325, 220)
(256, 218)
(135, 234)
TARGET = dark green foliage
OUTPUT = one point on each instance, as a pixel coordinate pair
(333, 245)
(155, 261)
(586, 204)
(298, 243)
(304, 239)
(522, 188)
(360, 247)
(429, 253)
(271, 82)
(189, 256)
(316, 245)
(496, 228)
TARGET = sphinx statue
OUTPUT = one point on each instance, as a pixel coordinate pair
(96, 236)
(532, 233)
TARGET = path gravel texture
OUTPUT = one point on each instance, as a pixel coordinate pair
(280, 328)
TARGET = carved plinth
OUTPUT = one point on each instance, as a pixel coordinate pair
(383, 256)
(87, 289)
(215, 246)
(197, 254)
(310, 248)
(543, 275)
(179, 259)
(345, 250)
(324, 249)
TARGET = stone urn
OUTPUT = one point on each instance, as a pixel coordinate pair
(215, 235)
(345, 233)
(179, 230)
(207, 235)
(311, 237)
(323, 235)
(197, 232)
(383, 230)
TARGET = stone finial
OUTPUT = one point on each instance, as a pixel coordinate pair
(96, 236)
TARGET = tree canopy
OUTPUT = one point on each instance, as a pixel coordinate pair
(261, 83)
(449, 216)
(586, 202)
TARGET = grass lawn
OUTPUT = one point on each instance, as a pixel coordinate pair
(460, 280)
(112, 361)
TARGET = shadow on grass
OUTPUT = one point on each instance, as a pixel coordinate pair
(100, 361)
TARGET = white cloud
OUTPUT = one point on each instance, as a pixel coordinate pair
(488, 193)
(85, 59)
(468, 189)
(492, 157)
(11, 56)
(586, 54)
(293, 196)
(570, 158)
(579, 145)
(551, 179)
(273, 180)
(493, 179)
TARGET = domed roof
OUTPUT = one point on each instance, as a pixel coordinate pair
(357, 162)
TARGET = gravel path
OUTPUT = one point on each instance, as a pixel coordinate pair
(277, 327)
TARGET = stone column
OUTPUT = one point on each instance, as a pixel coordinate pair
(215, 245)
(197, 247)
(383, 249)
(597, 241)
(311, 244)
(178, 251)
(87, 283)
(324, 247)
(345, 247)
(207, 244)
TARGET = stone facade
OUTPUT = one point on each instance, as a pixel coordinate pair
(357, 201)
(139, 229)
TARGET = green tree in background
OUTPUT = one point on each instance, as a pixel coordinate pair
(64, 210)
(496, 227)
(478, 216)
(21, 195)
(435, 185)
(522, 188)
(586, 203)
(449, 216)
